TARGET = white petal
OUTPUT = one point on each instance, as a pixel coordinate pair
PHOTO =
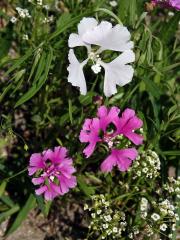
(76, 75)
(75, 40)
(86, 24)
(117, 73)
(107, 37)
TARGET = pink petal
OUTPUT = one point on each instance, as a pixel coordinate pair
(125, 157)
(41, 190)
(48, 154)
(36, 160)
(102, 111)
(37, 181)
(135, 138)
(108, 163)
(32, 170)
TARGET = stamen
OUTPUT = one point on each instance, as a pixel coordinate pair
(96, 68)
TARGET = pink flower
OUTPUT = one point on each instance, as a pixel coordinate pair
(53, 172)
(105, 128)
(121, 158)
(168, 3)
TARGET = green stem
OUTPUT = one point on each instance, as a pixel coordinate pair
(109, 13)
(15, 175)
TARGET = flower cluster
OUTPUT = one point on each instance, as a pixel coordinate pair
(147, 164)
(53, 171)
(23, 13)
(104, 219)
(173, 187)
(110, 129)
(104, 37)
(144, 207)
(167, 3)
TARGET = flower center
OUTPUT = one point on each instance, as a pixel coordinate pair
(96, 67)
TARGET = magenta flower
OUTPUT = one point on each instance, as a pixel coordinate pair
(168, 3)
(105, 128)
(53, 172)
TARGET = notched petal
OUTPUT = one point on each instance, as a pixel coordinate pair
(76, 75)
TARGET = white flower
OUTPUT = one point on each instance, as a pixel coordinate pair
(115, 230)
(106, 37)
(155, 216)
(13, 19)
(25, 37)
(86, 206)
(113, 3)
(163, 227)
(99, 212)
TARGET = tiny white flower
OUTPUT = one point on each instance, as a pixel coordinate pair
(25, 37)
(107, 37)
(163, 227)
(13, 19)
(145, 170)
(39, 2)
(93, 215)
(155, 216)
(86, 207)
(113, 3)
(115, 230)
(171, 14)
(174, 227)
(99, 211)
(105, 226)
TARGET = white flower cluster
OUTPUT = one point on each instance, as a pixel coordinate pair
(144, 207)
(23, 13)
(48, 19)
(106, 221)
(134, 233)
(173, 187)
(147, 164)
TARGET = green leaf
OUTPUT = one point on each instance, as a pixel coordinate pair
(70, 110)
(87, 99)
(19, 61)
(44, 206)
(36, 87)
(172, 153)
(8, 213)
(152, 88)
(2, 187)
(88, 190)
(30, 203)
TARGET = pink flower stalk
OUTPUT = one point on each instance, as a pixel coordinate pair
(167, 3)
(97, 130)
(53, 172)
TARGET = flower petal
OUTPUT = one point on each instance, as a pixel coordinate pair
(37, 181)
(36, 160)
(117, 73)
(108, 164)
(107, 37)
(41, 190)
(125, 157)
(75, 40)
(76, 75)
(86, 24)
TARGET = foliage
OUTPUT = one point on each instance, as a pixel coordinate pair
(40, 109)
